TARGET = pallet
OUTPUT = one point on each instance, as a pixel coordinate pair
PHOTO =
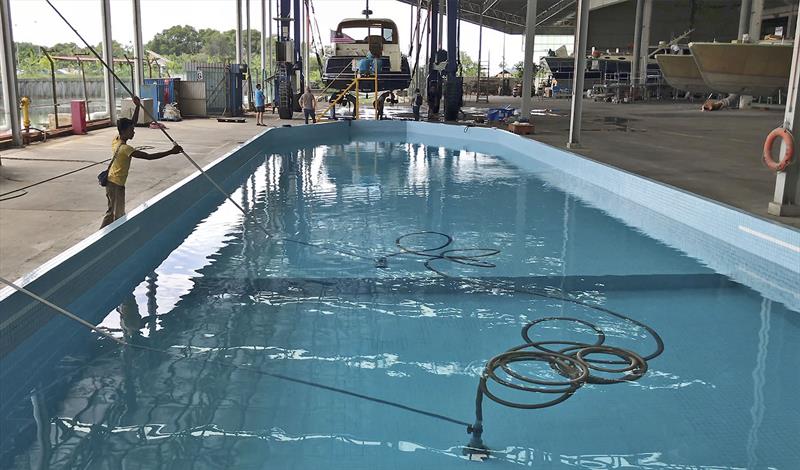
(521, 128)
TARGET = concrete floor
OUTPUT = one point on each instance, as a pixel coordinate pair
(714, 155)
(56, 215)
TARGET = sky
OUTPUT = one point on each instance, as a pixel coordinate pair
(34, 21)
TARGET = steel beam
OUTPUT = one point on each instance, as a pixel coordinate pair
(138, 48)
(527, 69)
(786, 198)
(578, 75)
(8, 73)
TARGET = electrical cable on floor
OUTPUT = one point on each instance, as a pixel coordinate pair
(3, 198)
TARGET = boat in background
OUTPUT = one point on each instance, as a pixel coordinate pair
(756, 69)
(352, 40)
(681, 72)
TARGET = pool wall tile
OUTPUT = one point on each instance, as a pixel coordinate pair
(757, 252)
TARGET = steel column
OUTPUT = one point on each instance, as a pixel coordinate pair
(264, 13)
(744, 19)
(238, 31)
(527, 69)
(138, 48)
(786, 199)
(108, 57)
(644, 48)
(756, 12)
(637, 41)
(578, 74)
(8, 71)
(8, 74)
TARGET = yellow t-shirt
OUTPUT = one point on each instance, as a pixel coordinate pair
(118, 173)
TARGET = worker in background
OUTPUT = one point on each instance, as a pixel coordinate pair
(381, 103)
(260, 102)
(416, 104)
(309, 104)
(121, 163)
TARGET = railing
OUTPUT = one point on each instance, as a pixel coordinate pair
(343, 93)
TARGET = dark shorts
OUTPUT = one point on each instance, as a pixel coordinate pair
(259, 109)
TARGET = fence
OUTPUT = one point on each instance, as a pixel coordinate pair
(215, 77)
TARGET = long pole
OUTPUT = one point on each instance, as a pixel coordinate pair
(149, 115)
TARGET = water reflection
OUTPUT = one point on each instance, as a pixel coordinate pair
(401, 333)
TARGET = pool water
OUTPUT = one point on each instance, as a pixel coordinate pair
(298, 352)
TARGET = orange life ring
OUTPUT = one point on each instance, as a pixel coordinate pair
(788, 155)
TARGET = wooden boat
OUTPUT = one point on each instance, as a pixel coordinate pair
(757, 69)
(681, 72)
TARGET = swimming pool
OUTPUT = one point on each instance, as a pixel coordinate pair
(355, 336)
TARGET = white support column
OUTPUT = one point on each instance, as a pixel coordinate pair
(578, 74)
(108, 57)
(138, 48)
(637, 41)
(249, 49)
(270, 46)
(8, 73)
(238, 31)
(644, 47)
(264, 42)
(756, 12)
(527, 69)
(786, 199)
(744, 19)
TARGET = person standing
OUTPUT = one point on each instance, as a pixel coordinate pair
(260, 101)
(121, 163)
(416, 104)
(309, 104)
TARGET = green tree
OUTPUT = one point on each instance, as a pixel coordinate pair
(176, 40)
(518, 69)
(469, 68)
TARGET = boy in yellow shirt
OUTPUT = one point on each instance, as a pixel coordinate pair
(121, 163)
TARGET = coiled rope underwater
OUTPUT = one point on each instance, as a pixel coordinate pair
(572, 362)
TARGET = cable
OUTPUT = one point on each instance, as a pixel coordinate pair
(45, 181)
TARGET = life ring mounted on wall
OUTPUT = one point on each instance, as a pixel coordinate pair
(788, 154)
